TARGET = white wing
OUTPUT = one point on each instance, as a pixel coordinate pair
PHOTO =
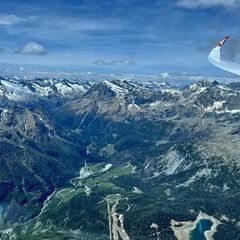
(215, 58)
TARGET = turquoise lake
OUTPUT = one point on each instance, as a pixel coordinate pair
(202, 226)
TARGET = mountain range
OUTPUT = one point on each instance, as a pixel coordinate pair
(117, 159)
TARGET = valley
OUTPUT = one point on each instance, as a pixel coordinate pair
(118, 159)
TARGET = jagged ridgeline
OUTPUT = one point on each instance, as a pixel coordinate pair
(118, 160)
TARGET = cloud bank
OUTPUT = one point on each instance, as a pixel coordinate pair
(33, 48)
(8, 20)
(207, 3)
(116, 62)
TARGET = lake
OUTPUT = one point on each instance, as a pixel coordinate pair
(202, 226)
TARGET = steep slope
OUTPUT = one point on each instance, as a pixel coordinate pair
(37, 156)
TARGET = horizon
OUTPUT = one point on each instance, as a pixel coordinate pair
(172, 79)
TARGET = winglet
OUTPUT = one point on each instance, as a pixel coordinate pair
(221, 43)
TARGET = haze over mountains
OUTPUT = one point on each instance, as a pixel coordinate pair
(76, 154)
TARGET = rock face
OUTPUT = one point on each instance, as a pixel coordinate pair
(33, 148)
(157, 152)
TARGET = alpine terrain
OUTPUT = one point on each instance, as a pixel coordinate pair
(117, 159)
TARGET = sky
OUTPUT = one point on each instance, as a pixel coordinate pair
(123, 36)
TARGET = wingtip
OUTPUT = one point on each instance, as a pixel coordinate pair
(222, 42)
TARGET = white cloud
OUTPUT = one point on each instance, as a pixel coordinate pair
(33, 48)
(116, 62)
(207, 3)
(7, 20)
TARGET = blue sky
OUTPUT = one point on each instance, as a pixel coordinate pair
(129, 36)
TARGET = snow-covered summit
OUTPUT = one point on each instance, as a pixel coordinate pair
(26, 90)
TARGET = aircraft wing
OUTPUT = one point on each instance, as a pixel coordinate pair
(215, 58)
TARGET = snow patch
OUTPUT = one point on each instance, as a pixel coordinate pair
(206, 172)
(216, 105)
(87, 190)
(85, 172)
(172, 161)
(171, 91)
(225, 187)
(233, 111)
(133, 107)
(196, 89)
(106, 168)
(158, 103)
(118, 90)
(136, 190)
